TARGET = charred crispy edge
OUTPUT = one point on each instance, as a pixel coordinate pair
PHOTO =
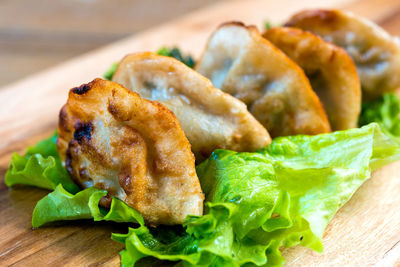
(80, 132)
(83, 131)
(81, 136)
(82, 89)
(326, 15)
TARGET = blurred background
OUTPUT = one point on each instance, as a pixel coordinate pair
(35, 35)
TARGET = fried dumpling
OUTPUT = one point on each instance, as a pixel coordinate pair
(210, 118)
(329, 68)
(135, 149)
(375, 52)
(276, 91)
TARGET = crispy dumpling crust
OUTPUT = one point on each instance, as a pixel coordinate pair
(330, 69)
(242, 63)
(375, 53)
(113, 139)
(210, 118)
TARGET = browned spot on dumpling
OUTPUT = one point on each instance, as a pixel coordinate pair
(83, 131)
(80, 90)
(110, 138)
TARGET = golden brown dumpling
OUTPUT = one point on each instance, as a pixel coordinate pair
(329, 68)
(112, 139)
(210, 118)
(242, 63)
(375, 52)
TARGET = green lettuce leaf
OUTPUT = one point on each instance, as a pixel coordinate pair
(285, 195)
(41, 167)
(386, 112)
(61, 205)
(176, 53)
(110, 72)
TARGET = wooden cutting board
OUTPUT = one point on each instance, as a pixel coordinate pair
(365, 232)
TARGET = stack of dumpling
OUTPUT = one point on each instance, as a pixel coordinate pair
(139, 135)
(285, 73)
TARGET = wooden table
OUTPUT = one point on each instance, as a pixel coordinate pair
(365, 232)
(35, 35)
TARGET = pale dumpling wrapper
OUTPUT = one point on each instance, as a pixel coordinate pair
(330, 69)
(210, 118)
(241, 62)
(375, 53)
(111, 138)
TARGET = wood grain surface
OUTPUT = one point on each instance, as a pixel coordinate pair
(365, 232)
(48, 32)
